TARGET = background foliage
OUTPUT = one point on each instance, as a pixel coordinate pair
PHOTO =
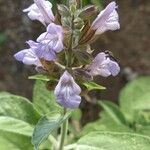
(116, 127)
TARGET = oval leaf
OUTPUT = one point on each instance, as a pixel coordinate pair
(12, 141)
(8, 124)
(132, 93)
(113, 141)
(18, 107)
(43, 99)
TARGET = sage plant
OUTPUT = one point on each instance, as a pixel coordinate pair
(64, 50)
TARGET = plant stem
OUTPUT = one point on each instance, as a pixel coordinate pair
(53, 141)
(64, 129)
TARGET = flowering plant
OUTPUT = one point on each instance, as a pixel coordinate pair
(66, 66)
(64, 51)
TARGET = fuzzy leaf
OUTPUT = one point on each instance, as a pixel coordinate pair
(46, 126)
(105, 123)
(43, 99)
(114, 112)
(11, 125)
(13, 141)
(135, 95)
(18, 107)
(113, 141)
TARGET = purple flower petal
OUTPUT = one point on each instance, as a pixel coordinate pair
(41, 10)
(45, 8)
(28, 56)
(67, 92)
(51, 42)
(45, 53)
(107, 19)
(114, 68)
(104, 66)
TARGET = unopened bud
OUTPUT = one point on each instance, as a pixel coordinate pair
(88, 12)
(63, 10)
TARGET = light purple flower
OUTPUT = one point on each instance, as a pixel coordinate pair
(67, 92)
(104, 65)
(41, 10)
(28, 56)
(107, 19)
(52, 42)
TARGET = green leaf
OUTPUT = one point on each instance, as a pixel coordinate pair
(40, 77)
(46, 126)
(93, 86)
(114, 112)
(143, 102)
(43, 99)
(15, 134)
(131, 96)
(76, 114)
(98, 3)
(18, 107)
(12, 141)
(8, 124)
(113, 141)
(145, 130)
(105, 123)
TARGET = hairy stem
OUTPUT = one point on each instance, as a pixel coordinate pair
(64, 129)
(68, 66)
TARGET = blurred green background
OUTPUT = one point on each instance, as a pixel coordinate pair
(130, 46)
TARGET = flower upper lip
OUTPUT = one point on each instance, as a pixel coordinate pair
(41, 11)
(107, 19)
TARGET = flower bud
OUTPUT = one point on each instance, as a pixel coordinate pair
(63, 10)
(88, 12)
